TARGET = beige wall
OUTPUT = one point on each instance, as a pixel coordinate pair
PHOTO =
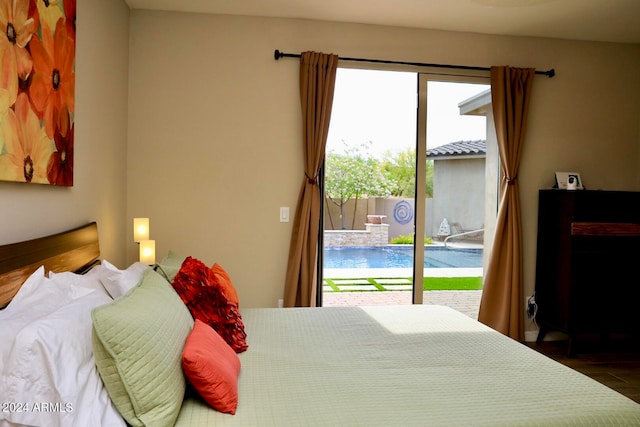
(28, 211)
(214, 126)
(214, 143)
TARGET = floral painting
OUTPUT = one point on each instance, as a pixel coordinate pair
(37, 90)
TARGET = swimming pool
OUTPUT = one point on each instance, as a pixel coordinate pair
(399, 257)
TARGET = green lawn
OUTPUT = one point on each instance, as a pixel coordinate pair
(452, 283)
(382, 284)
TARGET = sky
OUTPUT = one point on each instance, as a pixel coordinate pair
(380, 106)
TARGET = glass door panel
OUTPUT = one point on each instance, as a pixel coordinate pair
(459, 157)
(369, 187)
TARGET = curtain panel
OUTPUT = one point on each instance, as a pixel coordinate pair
(502, 304)
(317, 83)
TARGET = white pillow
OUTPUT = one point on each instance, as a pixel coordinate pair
(79, 285)
(52, 361)
(119, 282)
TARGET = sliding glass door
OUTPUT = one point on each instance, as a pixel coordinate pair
(390, 193)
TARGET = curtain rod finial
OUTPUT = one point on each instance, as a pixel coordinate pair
(277, 54)
(551, 73)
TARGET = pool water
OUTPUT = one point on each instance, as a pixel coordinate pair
(399, 257)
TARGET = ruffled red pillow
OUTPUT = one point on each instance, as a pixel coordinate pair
(207, 301)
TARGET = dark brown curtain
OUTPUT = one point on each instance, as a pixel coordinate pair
(317, 83)
(502, 304)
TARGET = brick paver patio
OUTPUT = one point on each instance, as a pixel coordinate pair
(467, 302)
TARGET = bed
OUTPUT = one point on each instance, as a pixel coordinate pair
(348, 366)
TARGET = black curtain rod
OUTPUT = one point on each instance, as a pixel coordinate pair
(277, 55)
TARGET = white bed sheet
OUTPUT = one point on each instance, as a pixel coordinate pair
(38, 297)
(48, 376)
(405, 365)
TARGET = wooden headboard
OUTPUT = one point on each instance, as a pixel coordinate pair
(74, 250)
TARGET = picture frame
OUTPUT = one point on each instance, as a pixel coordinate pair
(569, 181)
(38, 81)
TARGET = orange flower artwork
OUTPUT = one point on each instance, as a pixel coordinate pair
(37, 91)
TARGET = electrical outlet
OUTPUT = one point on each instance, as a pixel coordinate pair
(532, 307)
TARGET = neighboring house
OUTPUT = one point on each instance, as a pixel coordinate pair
(458, 185)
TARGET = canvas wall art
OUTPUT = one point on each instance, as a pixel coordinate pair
(37, 91)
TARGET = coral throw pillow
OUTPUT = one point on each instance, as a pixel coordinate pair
(224, 282)
(212, 368)
(207, 301)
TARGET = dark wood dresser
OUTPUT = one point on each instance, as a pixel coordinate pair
(588, 263)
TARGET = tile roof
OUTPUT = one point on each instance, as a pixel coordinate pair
(459, 148)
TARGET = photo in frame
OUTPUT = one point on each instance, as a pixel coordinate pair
(37, 91)
(569, 181)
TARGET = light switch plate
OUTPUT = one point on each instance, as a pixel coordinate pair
(284, 214)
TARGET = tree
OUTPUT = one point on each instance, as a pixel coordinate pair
(400, 169)
(353, 174)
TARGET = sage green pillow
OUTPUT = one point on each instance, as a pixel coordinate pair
(138, 342)
(170, 265)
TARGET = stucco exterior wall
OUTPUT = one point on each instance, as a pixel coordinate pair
(458, 193)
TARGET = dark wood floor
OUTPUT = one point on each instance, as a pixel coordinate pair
(616, 365)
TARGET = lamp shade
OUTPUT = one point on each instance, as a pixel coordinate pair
(148, 252)
(140, 229)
